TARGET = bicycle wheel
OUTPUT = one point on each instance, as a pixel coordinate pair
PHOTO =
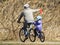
(32, 35)
(42, 37)
(22, 35)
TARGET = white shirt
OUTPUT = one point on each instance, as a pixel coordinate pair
(29, 14)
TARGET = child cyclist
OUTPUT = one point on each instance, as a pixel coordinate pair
(38, 24)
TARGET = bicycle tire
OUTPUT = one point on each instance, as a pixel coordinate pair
(20, 34)
(42, 37)
(34, 36)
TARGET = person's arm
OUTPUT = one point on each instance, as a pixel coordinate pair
(34, 23)
(35, 10)
(20, 16)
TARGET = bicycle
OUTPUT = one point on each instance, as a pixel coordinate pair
(29, 31)
(38, 34)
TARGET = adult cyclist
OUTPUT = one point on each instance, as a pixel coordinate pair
(27, 13)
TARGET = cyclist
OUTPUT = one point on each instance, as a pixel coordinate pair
(28, 16)
(38, 24)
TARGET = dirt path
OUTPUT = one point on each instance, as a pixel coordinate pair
(18, 42)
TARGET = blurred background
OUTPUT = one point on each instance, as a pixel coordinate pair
(10, 10)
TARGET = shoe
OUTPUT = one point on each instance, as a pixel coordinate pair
(26, 38)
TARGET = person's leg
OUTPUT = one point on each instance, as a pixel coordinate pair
(25, 28)
(35, 31)
(40, 33)
(39, 30)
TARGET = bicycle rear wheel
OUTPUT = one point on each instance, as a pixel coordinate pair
(42, 37)
(22, 35)
(32, 35)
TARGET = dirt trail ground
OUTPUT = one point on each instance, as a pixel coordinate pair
(10, 9)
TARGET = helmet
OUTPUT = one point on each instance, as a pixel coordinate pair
(39, 17)
(26, 6)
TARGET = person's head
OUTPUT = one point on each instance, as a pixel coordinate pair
(39, 18)
(26, 6)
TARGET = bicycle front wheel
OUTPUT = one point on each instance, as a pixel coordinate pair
(22, 35)
(32, 35)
